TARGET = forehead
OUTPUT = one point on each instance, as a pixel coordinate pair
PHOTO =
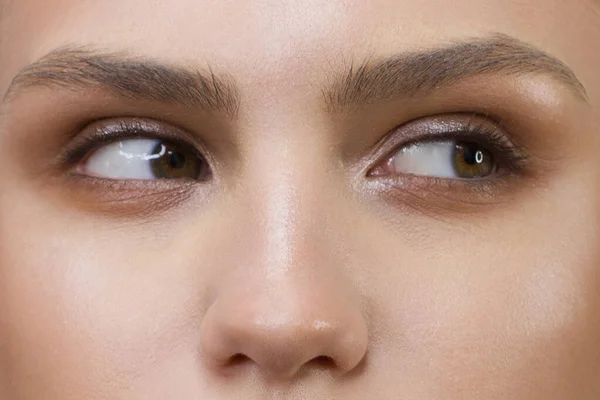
(291, 38)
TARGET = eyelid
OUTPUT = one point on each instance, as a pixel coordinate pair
(450, 127)
(110, 130)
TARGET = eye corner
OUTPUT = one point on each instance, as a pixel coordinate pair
(381, 169)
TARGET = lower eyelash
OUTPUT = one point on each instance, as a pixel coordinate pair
(105, 134)
(479, 130)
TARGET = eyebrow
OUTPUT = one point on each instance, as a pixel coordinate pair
(131, 77)
(407, 74)
(420, 73)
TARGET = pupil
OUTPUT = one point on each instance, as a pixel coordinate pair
(176, 160)
(472, 156)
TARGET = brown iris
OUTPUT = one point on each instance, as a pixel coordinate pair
(470, 160)
(172, 161)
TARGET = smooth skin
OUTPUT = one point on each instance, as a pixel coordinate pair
(297, 271)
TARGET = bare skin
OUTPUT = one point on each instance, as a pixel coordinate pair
(302, 260)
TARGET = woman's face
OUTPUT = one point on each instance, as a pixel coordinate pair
(299, 199)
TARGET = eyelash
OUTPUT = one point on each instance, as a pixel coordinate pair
(478, 129)
(486, 133)
(104, 134)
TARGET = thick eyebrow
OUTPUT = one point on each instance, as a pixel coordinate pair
(131, 77)
(417, 73)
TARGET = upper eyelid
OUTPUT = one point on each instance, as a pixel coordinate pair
(105, 131)
(462, 125)
(449, 126)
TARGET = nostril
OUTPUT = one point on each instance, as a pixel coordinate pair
(238, 359)
(320, 362)
(236, 340)
(324, 362)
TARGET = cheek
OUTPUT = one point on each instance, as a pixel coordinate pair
(492, 309)
(76, 315)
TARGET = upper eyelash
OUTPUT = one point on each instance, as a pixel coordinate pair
(120, 130)
(488, 134)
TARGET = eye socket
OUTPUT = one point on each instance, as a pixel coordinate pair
(145, 159)
(444, 159)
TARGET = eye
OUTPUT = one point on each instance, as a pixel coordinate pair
(145, 159)
(449, 159)
(467, 147)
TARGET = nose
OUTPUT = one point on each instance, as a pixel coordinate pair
(287, 301)
(285, 329)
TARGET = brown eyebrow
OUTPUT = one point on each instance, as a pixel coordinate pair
(403, 75)
(130, 77)
(417, 73)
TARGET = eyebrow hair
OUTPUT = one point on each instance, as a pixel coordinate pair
(418, 73)
(131, 77)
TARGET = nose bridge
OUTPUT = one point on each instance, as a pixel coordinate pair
(291, 195)
(294, 306)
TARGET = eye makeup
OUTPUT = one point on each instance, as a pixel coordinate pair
(512, 164)
(471, 131)
(460, 128)
(104, 132)
(102, 168)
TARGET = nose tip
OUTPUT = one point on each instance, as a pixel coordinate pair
(281, 344)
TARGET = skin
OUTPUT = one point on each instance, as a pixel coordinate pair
(291, 274)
